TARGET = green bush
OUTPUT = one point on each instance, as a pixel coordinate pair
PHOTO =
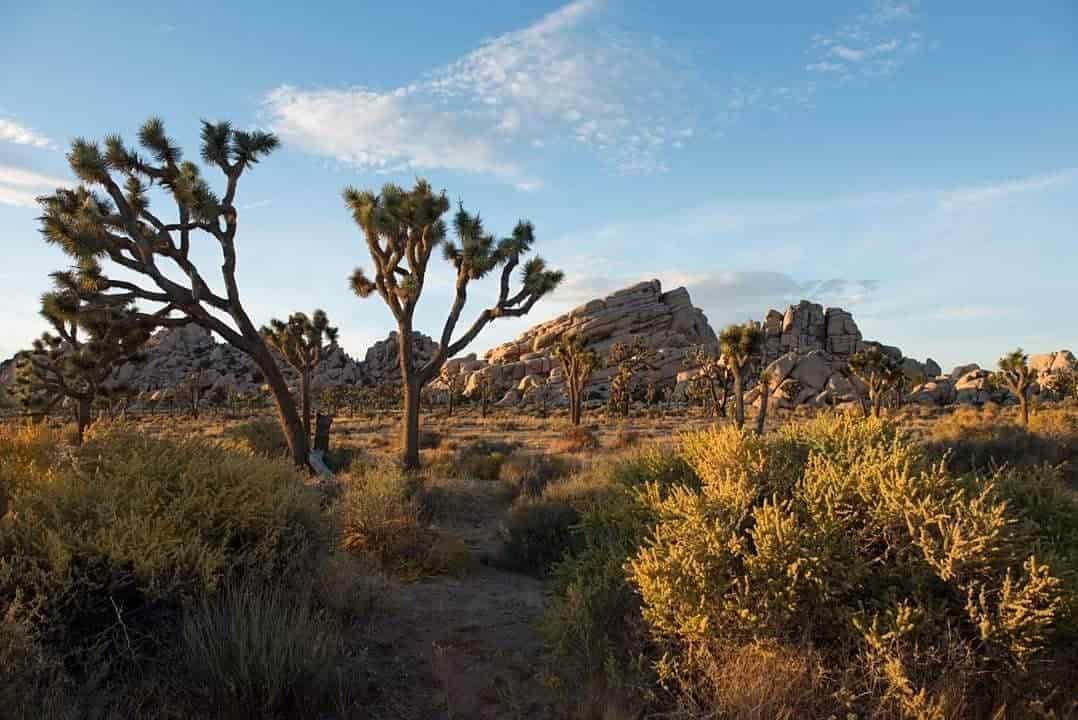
(536, 532)
(255, 651)
(381, 513)
(262, 437)
(974, 440)
(100, 549)
(927, 595)
(530, 473)
(597, 643)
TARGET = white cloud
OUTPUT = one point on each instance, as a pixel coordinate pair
(20, 187)
(556, 80)
(825, 66)
(871, 44)
(13, 132)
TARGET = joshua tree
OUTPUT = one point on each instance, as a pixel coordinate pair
(402, 228)
(90, 341)
(577, 362)
(739, 345)
(714, 376)
(486, 392)
(192, 388)
(630, 359)
(155, 253)
(301, 341)
(1062, 383)
(454, 386)
(1017, 376)
(878, 372)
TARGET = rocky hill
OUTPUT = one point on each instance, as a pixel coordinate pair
(667, 322)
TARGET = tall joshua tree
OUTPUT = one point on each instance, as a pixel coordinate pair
(739, 345)
(301, 341)
(90, 340)
(878, 372)
(1017, 376)
(108, 218)
(577, 362)
(402, 229)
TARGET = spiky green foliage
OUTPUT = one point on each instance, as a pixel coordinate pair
(91, 337)
(577, 362)
(108, 219)
(740, 346)
(878, 373)
(402, 228)
(1016, 375)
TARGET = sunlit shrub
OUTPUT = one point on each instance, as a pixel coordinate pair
(838, 535)
(101, 548)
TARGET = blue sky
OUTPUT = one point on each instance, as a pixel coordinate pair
(914, 162)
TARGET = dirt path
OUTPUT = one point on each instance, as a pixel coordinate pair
(461, 647)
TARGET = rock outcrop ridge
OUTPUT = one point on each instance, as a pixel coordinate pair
(666, 322)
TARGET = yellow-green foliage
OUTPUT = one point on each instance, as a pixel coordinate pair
(983, 439)
(840, 536)
(100, 548)
(381, 518)
(24, 450)
(260, 437)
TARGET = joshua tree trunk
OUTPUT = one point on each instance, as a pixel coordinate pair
(411, 397)
(739, 400)
(449, 402)
(877, 403)
(765, 393)
(574, 404)
(410, 429)
(82, 417)
(291, 423)
(305, 393)
(1023, 404)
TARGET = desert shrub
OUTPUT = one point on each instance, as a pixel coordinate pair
(104, 544)
(24, 451)
(597, 643)
(536, 532)
(974, 440)
(253, 650)
(838, 536)
(530, 473)
(429, 439)
(261, 437)
(576, 439)
(625, 437)
(381, 512)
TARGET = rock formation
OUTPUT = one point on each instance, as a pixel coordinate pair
(667, 323)
(807, 348)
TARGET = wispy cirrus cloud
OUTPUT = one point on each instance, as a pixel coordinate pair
(19, 187)
(1001, 190)
(877, 42)
(13, 132)
(559, 80)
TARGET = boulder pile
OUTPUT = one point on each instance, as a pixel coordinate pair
(666, 322)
